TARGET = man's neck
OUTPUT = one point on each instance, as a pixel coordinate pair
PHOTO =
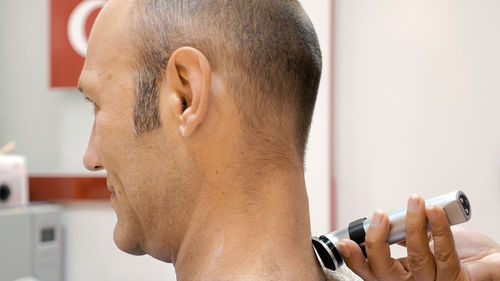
(258, 232)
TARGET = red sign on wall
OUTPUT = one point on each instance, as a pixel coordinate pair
(70, 24)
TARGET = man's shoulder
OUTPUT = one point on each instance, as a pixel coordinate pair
(341, 274)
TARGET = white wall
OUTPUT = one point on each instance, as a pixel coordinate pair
(417, 105)
(317, 157)
(51, 128)
(91, 254)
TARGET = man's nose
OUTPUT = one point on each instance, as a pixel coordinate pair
(90, 159)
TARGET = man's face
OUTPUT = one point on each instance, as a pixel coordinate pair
(144, 173)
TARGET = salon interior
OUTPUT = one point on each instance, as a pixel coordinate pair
(409, 102)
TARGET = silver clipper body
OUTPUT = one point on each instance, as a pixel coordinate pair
(455, 204)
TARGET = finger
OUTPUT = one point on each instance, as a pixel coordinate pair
(377, 249)
(429, 237)
(446, 258)
(355, 260)
(420, 257)
(405, 263)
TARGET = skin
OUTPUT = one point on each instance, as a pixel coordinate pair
(192, 192)
(461, 255)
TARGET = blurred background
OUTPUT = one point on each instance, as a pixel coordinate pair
(409, 103)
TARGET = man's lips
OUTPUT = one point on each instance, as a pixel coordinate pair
(109, 184)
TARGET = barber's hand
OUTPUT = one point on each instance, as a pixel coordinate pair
(471, 256)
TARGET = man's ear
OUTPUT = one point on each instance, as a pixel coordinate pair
(189, 80)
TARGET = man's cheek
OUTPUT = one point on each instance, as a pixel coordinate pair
(98, 143)
(105, 146)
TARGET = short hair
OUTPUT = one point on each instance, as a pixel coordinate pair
(267, 51)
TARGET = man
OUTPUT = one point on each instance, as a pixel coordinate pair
(202, 110)
(203, 145)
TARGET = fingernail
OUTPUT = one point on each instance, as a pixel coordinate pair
(344, 251)
(413, 203)
(377, 218)
(431, 213)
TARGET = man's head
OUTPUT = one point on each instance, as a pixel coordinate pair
(186, 94)
(266, 51)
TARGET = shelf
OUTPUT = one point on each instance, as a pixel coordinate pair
(67, 188)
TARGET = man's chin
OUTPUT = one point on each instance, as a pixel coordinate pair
(127, 244)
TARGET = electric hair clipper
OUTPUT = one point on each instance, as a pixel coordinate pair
(455, 204)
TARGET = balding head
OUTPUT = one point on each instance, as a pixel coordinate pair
(266, 50)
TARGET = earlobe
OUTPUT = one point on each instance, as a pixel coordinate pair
(189, 124)
(189, 74)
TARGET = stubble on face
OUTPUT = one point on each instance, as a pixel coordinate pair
(107, 80)
(150, 188)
